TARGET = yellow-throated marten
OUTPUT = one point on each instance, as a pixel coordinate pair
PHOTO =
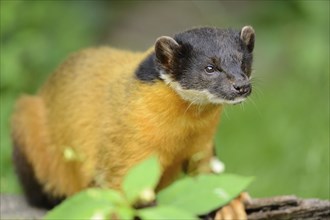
(112, 108)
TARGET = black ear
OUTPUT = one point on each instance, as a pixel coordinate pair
(247, 35)
(165, 49)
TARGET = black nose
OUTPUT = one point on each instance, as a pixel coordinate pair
(242, 88)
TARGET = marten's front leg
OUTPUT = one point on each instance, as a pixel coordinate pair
(203, 162)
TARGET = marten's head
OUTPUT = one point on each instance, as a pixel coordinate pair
(207, 65)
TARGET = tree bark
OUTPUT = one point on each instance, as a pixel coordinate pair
(16, 207)
(281, 207)
(288, 207)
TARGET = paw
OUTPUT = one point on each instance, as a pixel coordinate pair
(235, 209)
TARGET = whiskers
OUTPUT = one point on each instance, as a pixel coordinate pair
(196, 103)
(257, 84)
(191, 103)
(226, 113)
(242, 104)
(255, 106)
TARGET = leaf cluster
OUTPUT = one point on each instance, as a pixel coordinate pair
(185, 199)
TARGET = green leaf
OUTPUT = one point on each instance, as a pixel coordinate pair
(204, 193)
(165, 212)
(125, 212)
(141, 178)
(88, 204)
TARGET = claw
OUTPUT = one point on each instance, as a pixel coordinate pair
(245, 198)
(235, 209)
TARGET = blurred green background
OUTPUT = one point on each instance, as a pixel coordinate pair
(280, 135)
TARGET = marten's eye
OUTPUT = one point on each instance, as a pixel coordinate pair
(210, 69)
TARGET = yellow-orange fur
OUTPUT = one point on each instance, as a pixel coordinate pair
(94, 105)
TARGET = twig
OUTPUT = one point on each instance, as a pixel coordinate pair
(281, 207)
(288, 207)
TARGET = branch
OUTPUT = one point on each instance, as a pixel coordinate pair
(16, 207)
(281, 207)
(288, 207)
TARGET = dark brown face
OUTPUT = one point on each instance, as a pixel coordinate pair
(208, 65)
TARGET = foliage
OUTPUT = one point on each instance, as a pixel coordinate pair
(206, 193)
(165, 212)
(135, 182)
(90, 204)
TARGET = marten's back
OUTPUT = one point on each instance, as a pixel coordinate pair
(89, 78)
(88, 88)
